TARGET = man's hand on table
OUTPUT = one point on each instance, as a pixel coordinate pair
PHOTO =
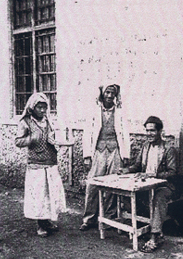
(138, 176)
(142, 176)
(123, 171)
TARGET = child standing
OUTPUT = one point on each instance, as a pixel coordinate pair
(44, 195)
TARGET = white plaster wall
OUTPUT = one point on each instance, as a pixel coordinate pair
(5, 82)
(136, 44)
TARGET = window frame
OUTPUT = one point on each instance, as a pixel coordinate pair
(33, 29)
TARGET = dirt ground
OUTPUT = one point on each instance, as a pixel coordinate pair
(18, 235)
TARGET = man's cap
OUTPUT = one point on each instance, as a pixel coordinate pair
(156, 120)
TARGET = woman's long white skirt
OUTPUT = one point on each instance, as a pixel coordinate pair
(44, 196)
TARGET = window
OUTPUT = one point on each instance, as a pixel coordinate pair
(34, 51)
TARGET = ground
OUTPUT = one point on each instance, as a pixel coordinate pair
(18, 235)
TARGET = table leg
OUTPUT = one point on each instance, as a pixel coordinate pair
(119, 211)
(101, 214)
(151, 197)
(134, 221)
(70, 166)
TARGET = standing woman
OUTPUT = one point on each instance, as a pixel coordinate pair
(44, 195)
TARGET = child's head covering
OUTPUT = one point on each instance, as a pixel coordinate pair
(32, 101)
(117, 95)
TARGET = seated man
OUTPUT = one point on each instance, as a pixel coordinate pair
(156, 159)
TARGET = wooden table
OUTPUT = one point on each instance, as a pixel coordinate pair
(125, 185)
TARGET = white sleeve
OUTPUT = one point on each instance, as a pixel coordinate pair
(87, 138)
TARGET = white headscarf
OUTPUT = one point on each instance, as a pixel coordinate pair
(31, 103)
(118, 95)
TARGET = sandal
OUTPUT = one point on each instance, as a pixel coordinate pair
(42, 233)
(52, 226)
(84, 227)
(149, 247)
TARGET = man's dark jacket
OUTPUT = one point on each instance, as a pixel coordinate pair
(167, 162)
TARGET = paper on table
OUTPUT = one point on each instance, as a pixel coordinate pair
(114, 179)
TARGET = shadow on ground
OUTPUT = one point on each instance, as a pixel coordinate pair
(18, 235)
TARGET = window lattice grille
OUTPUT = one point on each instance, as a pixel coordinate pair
(23, 13)
(46, 65)
(44, 11)
(41, 11)
(34, 48)
(23, 69)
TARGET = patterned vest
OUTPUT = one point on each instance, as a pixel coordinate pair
(41, 152)
(107, 136)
